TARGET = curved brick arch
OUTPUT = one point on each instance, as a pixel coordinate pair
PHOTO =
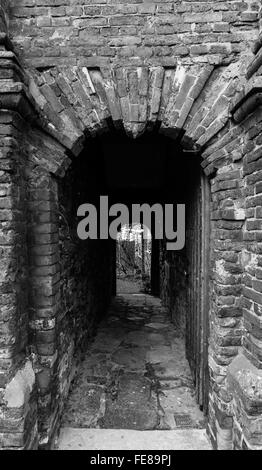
(191, 104)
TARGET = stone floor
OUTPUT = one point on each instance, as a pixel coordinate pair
(135, 375)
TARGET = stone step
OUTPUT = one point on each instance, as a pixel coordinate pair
(118, 439)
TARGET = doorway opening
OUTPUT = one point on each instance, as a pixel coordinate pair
(133, 259)
(158, 318)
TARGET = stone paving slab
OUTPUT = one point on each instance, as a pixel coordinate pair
(103, 439)
(135, 407)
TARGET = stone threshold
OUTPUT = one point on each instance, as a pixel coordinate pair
(119, 439)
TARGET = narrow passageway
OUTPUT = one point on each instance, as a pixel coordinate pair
(135, 376)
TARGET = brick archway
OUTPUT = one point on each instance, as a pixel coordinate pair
(47, 118)
(190, 105)
(137, 99)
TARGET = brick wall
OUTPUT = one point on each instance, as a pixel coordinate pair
(67, 277)
(18, 417)
(207, 104)
(94, 33)
(180, 271)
